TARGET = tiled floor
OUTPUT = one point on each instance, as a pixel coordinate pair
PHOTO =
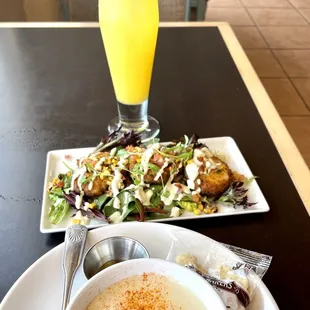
(276, 37)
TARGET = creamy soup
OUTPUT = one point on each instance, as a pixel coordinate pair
(149, 291)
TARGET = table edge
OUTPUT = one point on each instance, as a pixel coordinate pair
(96, 24)
(291, 157)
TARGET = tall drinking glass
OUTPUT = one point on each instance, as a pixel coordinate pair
(129, 31)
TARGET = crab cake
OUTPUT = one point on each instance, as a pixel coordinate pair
(102, 163)
(156, 160)
(97, 158)
(215, 181)
(95, 188)
(207, 174)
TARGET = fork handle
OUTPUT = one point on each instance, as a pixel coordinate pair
(75, 240)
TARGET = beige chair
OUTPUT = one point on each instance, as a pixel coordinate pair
(87, 10)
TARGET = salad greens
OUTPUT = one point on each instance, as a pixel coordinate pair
(58, 208)
(236, 195)
(124, 180)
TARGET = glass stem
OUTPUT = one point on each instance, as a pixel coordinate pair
(133, 116)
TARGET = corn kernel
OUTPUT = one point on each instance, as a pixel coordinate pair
(210, 210)
(138, 160)
(92, 206)
(69, 174)
(109, 182)
(114, 161)
(109, 160)
(55, 181)
(200, 207)
(101, 176)
(76, 221)
(197, 211)
(207, 210)
(190, 161)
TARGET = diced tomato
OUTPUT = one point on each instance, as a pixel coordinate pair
(60, 184)
(196, 198)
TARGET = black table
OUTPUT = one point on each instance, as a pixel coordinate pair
(56, 92)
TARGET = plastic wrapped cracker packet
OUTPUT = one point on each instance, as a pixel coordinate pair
(258, 262)
(234, 278)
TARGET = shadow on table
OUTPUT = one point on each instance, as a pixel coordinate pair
(55, 239)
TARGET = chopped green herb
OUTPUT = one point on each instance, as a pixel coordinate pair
(137, 169)
(68, 166)
(153, 167)
(89, 167)
(122, 153)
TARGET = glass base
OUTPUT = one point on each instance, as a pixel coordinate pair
(149, 131)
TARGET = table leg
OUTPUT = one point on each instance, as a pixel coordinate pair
(188, 10)
(201, 9)
(64, 9)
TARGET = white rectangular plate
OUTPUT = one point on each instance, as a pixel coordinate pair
(225, 146)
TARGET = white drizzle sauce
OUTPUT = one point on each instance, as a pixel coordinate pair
(116, 183)
(192, 171)
(147, 155)
(78, 216)
(175, 193)
(79, 181)
(197, 191)
(113, 151)
(84, 219)
(161, 170)
(90, 185)
(81, 160)
(175, 212)
(78, 201)
(116, 203)
(143, 196)
(117, 216)
(130, 187)
(99, 163)
(78, 173)
(86, 206)
(198, 154)
(123, 161)
(145, 160)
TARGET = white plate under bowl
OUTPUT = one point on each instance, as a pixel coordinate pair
(40, 287)
(225, 146)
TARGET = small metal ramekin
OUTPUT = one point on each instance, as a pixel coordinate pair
(113, 249)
